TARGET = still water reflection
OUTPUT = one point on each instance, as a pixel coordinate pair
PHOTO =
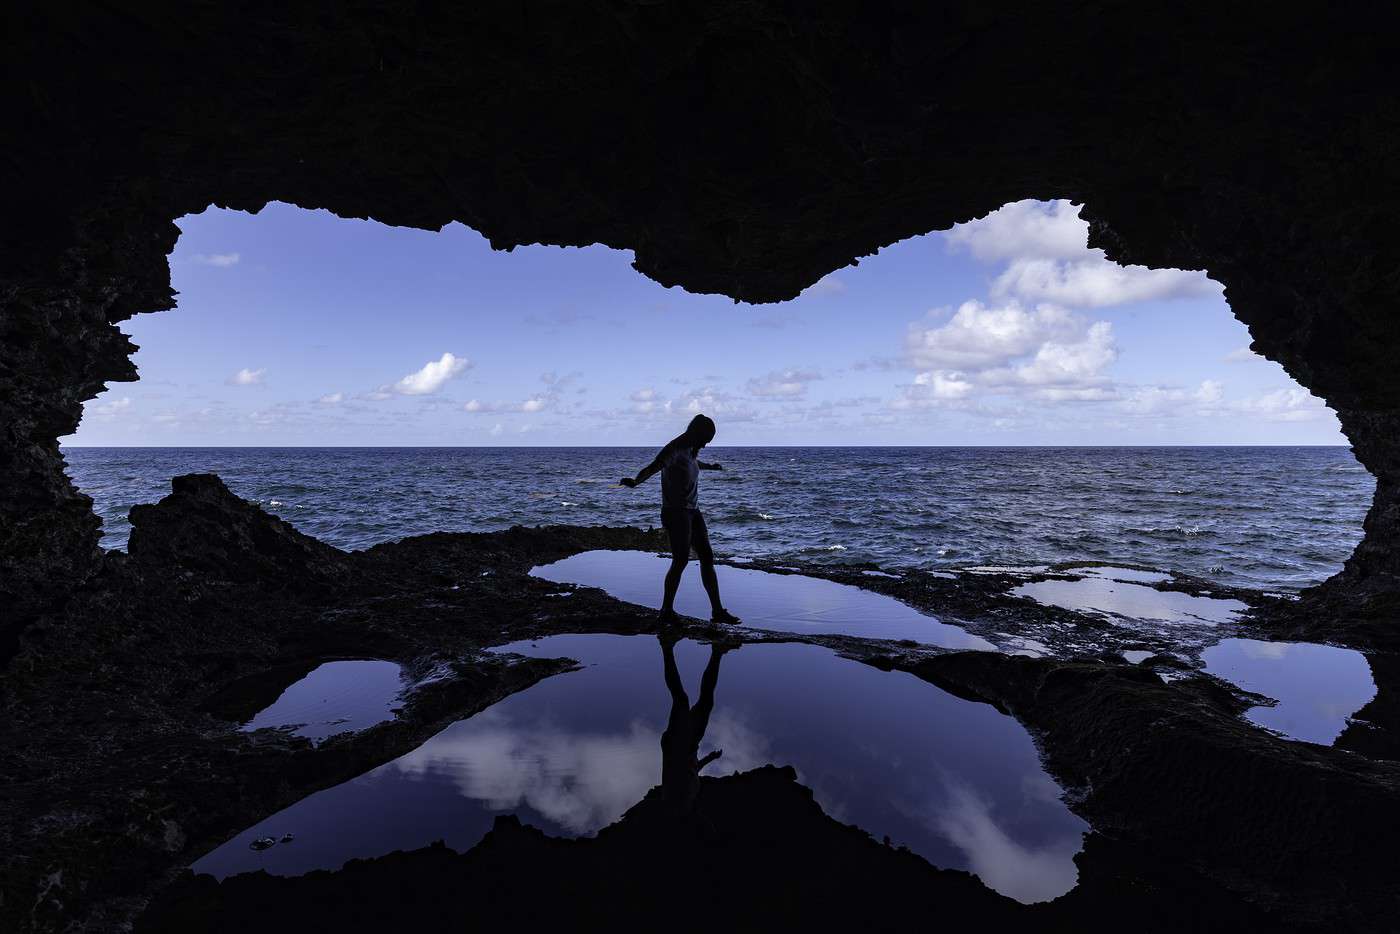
(955, 781)
(763, 600)
(337, 697)
(1318, 687)
(1097, 593)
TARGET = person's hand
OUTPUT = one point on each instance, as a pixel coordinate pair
(629, 482)
(716, 466)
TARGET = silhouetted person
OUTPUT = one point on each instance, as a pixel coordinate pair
(679, 465)
(685, 729)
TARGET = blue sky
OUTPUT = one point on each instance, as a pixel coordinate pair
(300, 328)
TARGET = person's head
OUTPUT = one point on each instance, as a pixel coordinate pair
(700, 431)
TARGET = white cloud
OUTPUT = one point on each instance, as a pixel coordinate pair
(826, 285)
(782, 384)
(221, 260)
(944, 384)
(1070, 361)
(334, 398)
(496, 429)
(536, 403)
(715, 403)
(1283, 405)
(1210, 391)
(1241, 354)
(433, 376)
(553, 397)
(1046, 248)
(247, 377)
(1097, 283)
(1018, 870)
(647, 400)
(1208, 399)
(1051, 230)
(978, 337)
(1046, 352)
(109, 410)
(1169, 401)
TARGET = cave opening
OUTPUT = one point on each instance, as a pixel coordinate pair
(741, 149)
(299, 330)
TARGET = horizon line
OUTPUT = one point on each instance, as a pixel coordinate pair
(463, 447)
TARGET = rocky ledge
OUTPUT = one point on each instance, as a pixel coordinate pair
(123, 762)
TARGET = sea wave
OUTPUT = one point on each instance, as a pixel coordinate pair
(1267, 518)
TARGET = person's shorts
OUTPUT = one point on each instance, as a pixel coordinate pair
(686, 529)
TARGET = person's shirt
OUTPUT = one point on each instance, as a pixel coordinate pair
(680, 476)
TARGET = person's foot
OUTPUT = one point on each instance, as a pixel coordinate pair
(724, 617)
(668, 618)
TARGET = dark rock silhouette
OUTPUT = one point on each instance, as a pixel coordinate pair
(745, 148)
(118, 745)
(122, 762)
(203, 528)
(757, 852)
(739, 147)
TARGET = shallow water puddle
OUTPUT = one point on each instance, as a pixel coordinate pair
(763, 600)
(1318, 687)
(1127, 575)
(1134, 601)
(337, 697)
(955, 781)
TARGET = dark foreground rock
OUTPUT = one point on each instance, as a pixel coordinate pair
(122, 762)
(757, 853)
(119, 750)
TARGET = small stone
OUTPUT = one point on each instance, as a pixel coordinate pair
(262, 843)
(286, 838)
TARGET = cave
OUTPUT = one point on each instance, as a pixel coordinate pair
(741, 148)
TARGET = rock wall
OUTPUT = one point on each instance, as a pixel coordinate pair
(743, 147)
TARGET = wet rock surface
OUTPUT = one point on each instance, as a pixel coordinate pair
(122, 758)
(123, 761)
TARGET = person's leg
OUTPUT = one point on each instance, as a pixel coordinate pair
(700, 540)
(679, 701)
(700, 713)
(678, 528)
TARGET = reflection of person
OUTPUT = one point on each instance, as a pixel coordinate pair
(685, 729)
(680, 466)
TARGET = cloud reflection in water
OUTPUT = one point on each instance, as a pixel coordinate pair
(580, 781)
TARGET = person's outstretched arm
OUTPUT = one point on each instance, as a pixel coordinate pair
(646, 472)
(704, 466)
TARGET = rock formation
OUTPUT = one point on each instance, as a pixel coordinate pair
(736, 147)
(743, 147)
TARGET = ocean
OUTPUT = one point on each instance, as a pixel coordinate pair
(1271, 518)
